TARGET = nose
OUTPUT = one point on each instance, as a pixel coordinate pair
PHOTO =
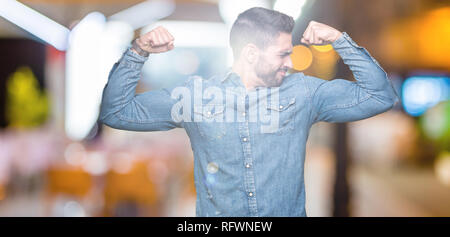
(288, 63)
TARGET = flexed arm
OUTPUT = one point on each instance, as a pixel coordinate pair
(341, 100)
(121, 108)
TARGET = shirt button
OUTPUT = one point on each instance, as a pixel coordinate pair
(243, 114)
(247, 165)
(281, 106)
(245, 139)
(209, 112)
(250, 194)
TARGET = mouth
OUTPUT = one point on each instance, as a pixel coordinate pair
(282, 72)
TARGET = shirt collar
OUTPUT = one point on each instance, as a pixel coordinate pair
(228, 74)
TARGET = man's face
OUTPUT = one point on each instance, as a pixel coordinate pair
(275, 61)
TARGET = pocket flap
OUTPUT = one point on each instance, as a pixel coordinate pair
(284, 104)
(209, 111)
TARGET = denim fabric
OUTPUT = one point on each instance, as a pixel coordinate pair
(240, 169)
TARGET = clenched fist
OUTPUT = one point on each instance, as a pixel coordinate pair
(320, 34)
(159, 40)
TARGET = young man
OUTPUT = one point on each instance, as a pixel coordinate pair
(248, 128)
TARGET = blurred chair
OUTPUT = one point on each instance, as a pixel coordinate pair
(131, 190)
(63, 181)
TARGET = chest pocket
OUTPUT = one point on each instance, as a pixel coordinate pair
(210, 121)
(285, 111)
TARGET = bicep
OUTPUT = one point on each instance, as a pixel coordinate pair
(149, 111)
(341, 100)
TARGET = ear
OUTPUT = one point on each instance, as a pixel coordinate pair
(250, 53)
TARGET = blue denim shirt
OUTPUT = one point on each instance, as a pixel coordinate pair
(239, 169)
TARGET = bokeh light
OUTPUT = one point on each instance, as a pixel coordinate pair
(436, 121)
(421, 93)
(442, 168)
(301, 57)
(325, 61)
(96, 163)
(230, 9)
(323, 48)
(290, 7)
(186, 62)
(73, 209)
(212, 167)
(75, 154)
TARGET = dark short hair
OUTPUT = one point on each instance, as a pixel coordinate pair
(259, 26)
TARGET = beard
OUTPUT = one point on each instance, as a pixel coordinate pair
(270, 78)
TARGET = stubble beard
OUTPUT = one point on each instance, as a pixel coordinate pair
(271, 78)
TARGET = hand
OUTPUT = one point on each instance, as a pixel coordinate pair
(320, 34)
(159, 40)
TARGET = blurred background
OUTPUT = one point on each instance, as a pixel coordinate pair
(57, 160)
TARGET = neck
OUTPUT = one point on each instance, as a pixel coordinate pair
(248, 77)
